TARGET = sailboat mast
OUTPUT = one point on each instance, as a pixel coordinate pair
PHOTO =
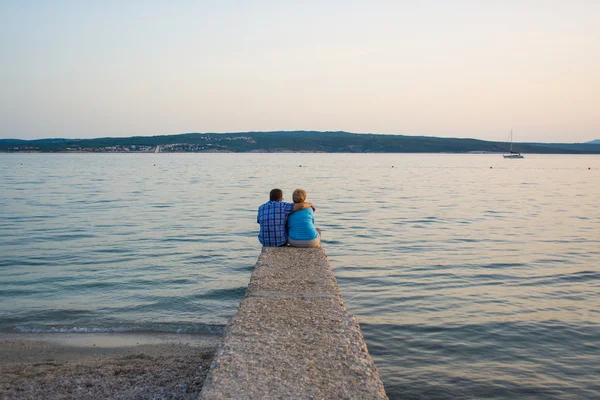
(512, 154)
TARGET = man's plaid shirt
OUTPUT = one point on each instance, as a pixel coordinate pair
(272, 217)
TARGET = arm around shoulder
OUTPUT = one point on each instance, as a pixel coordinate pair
(302, 206)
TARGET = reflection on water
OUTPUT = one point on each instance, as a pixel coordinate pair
(468, 281)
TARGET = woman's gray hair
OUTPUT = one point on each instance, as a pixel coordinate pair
(299, 196)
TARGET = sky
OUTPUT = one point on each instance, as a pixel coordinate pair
(461, 68)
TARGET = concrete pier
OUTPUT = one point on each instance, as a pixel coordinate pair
(292, 337)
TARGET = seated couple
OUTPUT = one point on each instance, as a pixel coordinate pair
(282, 223)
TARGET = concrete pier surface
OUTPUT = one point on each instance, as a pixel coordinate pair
(292, 337)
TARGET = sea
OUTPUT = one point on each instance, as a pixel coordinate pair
(472, 276)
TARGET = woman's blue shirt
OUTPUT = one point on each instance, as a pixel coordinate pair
(301, 225)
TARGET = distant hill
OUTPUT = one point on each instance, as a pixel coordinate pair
(289, 141)
(594, 142)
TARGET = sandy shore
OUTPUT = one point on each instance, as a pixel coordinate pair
(101, 366)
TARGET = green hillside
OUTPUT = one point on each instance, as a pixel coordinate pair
(284, 141)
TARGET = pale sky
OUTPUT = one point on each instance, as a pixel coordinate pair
(460, 68)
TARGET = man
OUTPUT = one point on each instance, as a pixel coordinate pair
(272, 217)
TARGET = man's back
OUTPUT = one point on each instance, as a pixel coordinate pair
(272, 217)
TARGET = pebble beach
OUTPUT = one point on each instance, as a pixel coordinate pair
(100, 366)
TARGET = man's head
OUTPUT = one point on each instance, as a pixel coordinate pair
(276, 195)
(299, 196)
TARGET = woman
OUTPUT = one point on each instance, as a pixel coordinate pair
(301, 224)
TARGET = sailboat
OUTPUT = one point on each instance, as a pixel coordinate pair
(512, 154)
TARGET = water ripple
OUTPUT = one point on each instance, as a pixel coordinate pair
(468, 282)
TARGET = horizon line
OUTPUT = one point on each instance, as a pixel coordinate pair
(285, 131)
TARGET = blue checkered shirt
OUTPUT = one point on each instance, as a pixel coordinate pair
(272, 217)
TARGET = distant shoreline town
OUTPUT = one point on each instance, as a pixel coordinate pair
(286, 142)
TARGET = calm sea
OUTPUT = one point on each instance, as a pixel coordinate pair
(472, 276)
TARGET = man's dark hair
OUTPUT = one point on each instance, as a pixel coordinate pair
(276, 195)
